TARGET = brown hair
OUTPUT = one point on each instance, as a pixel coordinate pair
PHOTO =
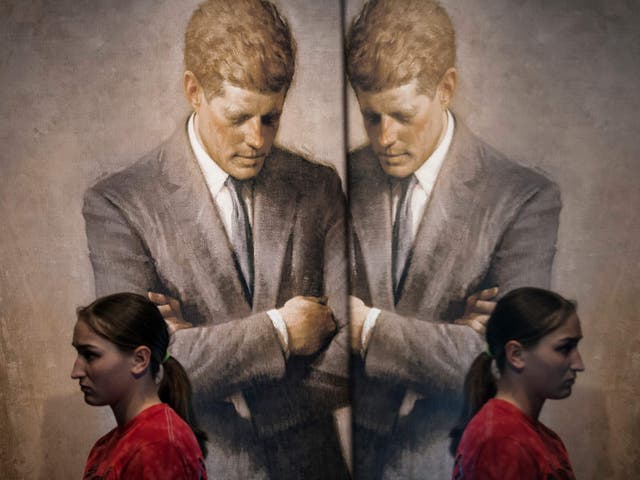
(392, 42)
(525, 314)
(129, 320)
(244, 42)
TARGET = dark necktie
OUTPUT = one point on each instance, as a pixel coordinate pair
(402, 232)
(241, 236)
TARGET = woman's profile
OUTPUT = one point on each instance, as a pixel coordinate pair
(532, 336)
(121, 342)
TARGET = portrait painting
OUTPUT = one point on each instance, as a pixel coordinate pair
(103, 191)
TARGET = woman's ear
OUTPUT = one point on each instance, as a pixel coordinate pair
(514, 354)
(140, 358)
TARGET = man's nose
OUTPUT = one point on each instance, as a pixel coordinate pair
(387, 134)
(255, 136)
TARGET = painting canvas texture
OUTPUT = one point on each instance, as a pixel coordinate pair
(101, 192)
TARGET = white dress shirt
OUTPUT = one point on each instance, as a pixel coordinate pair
(427, 175)
(215, 178)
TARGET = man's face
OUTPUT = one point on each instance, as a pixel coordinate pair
(238, 127)
(553, 363)
(404, 126)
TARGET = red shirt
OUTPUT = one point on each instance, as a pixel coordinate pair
(503, 443)
(155, 444)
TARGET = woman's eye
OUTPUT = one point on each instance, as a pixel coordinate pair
(89, 356)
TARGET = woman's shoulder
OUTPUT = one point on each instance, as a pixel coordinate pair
(495, 445)
(161, 443)
(498, 418)
(161, 424)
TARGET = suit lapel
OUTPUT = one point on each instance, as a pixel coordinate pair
(371, 217)
(197, 223)
(274, 210)
(442, 233)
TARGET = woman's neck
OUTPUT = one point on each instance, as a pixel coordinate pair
(127, 408)
(516, 394)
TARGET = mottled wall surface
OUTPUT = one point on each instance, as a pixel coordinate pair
(554, 84)
(87, 88)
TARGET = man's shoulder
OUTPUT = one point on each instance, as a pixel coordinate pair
(144, 175)
(363, 165)
(293, 167)
(496, 169)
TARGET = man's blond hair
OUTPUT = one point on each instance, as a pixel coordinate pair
(392, 42)
(244, 42)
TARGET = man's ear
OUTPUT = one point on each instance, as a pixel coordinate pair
(192, 90)
(447, 87)
(514, 353)
(140, 360)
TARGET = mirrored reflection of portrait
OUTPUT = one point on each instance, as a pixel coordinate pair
(241, 245)
(443, 224)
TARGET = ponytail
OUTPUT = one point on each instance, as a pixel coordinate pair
(526, 314)
(129, 320)
(479, 387)
(175, 390)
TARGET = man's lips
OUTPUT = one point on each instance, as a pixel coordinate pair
(250, 160)
(391, 158)
(85, 389)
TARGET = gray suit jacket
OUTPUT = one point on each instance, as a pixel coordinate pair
(154, 226)
(488, 222)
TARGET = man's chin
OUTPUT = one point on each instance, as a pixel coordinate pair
(396, 170)
(246, 168)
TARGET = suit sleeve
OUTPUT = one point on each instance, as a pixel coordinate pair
(329, 375)
(426, 355)
(221, 359)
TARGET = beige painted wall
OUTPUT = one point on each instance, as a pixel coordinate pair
(88, 87)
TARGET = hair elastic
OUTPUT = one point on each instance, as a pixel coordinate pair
(166, 357)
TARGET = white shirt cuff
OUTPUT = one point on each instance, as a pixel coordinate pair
(281, 330)
(367, 328)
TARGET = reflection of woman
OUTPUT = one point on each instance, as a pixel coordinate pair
(533, 337)
(122, 342)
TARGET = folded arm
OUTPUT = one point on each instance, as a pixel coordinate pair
(220, 359)
(423, 354)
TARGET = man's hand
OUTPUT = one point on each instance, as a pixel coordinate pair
(478, 310)
(309, 324)
(357, 315)
(170, 309)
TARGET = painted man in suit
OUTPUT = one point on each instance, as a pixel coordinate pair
(441, 223)
(239, 244)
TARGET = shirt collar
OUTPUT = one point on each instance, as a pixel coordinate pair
(428, 171)
(213, 174)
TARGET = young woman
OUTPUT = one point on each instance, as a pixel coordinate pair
(122, 343)
(532, 336)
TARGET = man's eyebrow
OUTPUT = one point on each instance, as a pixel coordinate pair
(407, 112)
(235, 111)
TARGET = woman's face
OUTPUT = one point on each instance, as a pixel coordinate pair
(551, 366)
(103, 370)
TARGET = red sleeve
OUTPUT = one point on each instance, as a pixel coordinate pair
(497, 459)
(162, 460)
